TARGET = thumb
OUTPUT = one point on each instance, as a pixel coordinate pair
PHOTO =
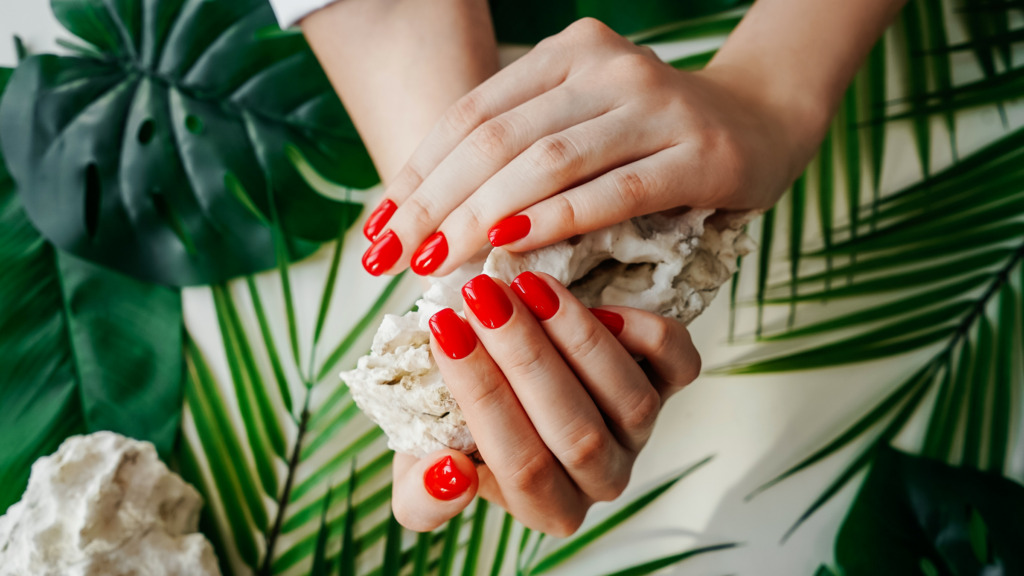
(427, 492)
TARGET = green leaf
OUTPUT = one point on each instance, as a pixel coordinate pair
(655, 565)
(1002, 402)
(764, 259)
(826, 191)
(917, 76)
(328, 291)
(299, 518)
(357, 331)
(392, 563)
(422, 554)
(84, 349)
(796, 238)
(886, 311)
(347, 557)
(853, 432)
(980, 385)
(693, 61)
(188, 467)
(476, 538)
(270, 346)
(875, 76)
(451, 544)
(911, 508)
(136, 142)
(320, 565)
(587, 537)
(499, 553)
(530, 21)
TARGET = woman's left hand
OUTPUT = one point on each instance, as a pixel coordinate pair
(556, 403)
(583, 132)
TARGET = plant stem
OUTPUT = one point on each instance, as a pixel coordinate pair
(979, 307)
(293, 465)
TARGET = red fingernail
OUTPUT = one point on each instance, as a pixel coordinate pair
(379, 219)
(445, 481)
(487, 301)
(509, 230)
(430, 254)
(612, 321)
(453, 335)
(536, 293)
(383, 253)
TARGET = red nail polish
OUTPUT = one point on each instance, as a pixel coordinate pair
(487, 301)
(383, 253)
(541, 299)
(612, 321)
(445, 481)
(430, 254)
(379, 219)
(452, 333)
(509, 230)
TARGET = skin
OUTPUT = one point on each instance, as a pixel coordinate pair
(585, 131)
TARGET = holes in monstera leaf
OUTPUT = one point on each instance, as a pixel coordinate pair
(93, 199)
(194, 124)
(173, 220)
(146, 130)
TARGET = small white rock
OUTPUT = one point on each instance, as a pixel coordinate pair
(104, 504)
(670, 263)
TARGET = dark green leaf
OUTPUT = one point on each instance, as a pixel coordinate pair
(85, 349)
(764, 259)
(1002, 402)
(981, 383)
(796, 238)
(270, 346)
(917, 76)
(451, 545)
(530, 21)
(587, 537)
(320, 564)
(655, 565)
(347, 557)
(875, 76)
(188, 467)
(299, 518)
(392, 563)
(826, 189)
(135, 143)
(421, 554)
(693, 61)
(476, 538)
(912, 508)
(499, 553)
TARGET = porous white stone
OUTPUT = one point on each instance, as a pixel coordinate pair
(105, 505)
(670, 263)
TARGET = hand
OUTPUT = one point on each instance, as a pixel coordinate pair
(556, 403)
(585, 131)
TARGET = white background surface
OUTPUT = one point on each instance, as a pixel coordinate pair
(756, 426)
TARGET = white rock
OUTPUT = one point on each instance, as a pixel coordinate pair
(104, 504)
(670, 263)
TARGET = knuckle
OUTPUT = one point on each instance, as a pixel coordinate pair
(566, 214)
(531, 475)
(589, 29)
(493, 139)
(468, 218)
(632, 187)
(524, 362)
(565, 525)
(420, 210)
(587, 452)
(639, 70)
(644, 412)
(556, 154)
(584, 340)
(466, 114)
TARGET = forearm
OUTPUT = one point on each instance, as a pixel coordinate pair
(798, 56)
(399, 64)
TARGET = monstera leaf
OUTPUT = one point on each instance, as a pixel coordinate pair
(920, 516)
(83, 349)
(160, 151)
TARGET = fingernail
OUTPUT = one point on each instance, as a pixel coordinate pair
(509, 230)
(537, 295)
(383, 253)
(453, 335)
(445, 481)
(612, 321)
(379, 219)
(430, 254)
(487, 301)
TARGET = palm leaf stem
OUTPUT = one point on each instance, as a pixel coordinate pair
(293, 466)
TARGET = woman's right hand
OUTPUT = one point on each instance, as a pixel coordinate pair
(556, 403)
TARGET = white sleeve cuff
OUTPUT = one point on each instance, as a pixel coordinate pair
(289, 12)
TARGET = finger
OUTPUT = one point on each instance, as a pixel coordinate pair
(665, 343)
(485, 151)
(550, 165)
(651, 184)
(533, 485)
(613, 379)
(537, 72)
(562, 412)
(428, 492)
